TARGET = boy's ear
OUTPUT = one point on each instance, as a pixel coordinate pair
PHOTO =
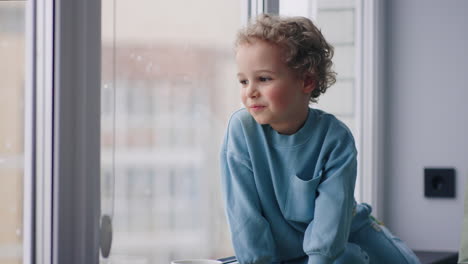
(309, 84)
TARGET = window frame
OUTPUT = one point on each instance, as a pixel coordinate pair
(62, 164)
(370, 108)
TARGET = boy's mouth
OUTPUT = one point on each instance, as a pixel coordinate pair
(257, 107)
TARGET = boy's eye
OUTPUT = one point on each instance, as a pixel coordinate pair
(243, 82)
(264, 79)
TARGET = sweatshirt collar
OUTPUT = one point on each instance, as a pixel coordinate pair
(298, 138)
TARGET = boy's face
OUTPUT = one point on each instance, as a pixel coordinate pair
(271, 91)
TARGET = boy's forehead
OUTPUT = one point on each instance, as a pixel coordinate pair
(260, 52)
(262, 45)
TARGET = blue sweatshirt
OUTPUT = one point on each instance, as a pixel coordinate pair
(287, 196)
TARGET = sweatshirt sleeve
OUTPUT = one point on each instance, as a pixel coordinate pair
(251, 234)
(326, 236)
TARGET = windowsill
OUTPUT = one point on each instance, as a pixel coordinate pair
(429, 257)
(426, 257)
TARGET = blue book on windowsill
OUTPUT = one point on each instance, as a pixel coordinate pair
(229, 260)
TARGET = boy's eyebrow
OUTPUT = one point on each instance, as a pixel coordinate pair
(257, 71)
(269, 71)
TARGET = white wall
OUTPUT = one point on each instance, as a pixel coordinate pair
(426, 117)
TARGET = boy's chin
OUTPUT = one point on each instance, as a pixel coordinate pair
(260, 118)
(260, 121)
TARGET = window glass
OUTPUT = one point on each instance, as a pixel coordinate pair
(168, 87)
(12, 73)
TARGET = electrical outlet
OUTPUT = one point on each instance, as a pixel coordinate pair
(439, 182)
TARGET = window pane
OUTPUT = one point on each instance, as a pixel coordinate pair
(168, 88)
(12, 73)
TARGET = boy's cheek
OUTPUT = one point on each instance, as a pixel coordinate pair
(243, 97)
(279, 98)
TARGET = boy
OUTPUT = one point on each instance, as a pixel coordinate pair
(288, 171)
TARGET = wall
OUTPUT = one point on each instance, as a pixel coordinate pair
(426, 120)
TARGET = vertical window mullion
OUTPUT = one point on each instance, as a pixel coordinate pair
(41, 146)
(76, 132)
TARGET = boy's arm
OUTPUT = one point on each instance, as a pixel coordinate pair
(251, 234)
(326, 236)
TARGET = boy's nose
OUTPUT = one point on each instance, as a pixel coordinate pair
(252, 91)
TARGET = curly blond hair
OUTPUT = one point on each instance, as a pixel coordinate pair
(306, 50)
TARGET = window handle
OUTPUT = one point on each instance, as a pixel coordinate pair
(106, 235)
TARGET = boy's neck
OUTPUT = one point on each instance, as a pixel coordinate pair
(293, 127)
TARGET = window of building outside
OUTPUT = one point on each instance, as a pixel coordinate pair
(168, 88)
(12, 76)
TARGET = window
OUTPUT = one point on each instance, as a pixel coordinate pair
(167, 86)
(12, 102)
(168, 76)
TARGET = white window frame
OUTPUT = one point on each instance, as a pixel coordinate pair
(369, 66)
(62, 159)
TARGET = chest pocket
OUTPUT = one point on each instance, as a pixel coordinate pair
(300, 199)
